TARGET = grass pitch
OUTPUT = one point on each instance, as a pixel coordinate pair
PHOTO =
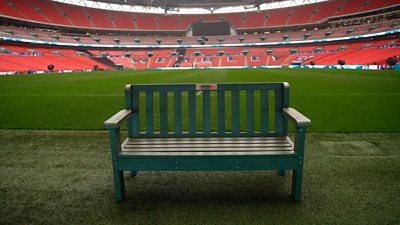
(335, 100)
(65, 177)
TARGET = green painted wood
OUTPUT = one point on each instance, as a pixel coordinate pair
(297, 175)
(221, 111)
(249, 86)
(178, 112)
(135, 113)
(192, 112)
(250, 111)
(149, 113)
(207, 163)
(119, 183)
(128, 105)
(279, 117)
(208, 159)
(206, 112)
(227, 134)
(164, 87)
(264, 111)
(163, 113)
(285, 104)
(235, 112)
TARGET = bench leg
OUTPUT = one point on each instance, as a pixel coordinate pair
(119, 185)
(297, 184)
(281, 172)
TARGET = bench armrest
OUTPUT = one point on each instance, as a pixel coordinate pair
(116, 120)
(299, 119)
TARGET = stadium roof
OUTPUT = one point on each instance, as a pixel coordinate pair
(188, 6)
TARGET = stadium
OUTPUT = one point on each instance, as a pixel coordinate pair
(65, 64)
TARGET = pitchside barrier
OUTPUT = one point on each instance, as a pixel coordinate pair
(189, 127)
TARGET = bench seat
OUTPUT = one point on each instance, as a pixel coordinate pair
(207, 146)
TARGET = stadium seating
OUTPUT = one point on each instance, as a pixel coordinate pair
(63, 14)
(37, 57)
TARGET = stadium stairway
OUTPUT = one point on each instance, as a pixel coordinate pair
(181, 52)
(100, 60)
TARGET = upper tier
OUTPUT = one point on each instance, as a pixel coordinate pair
(49, 12)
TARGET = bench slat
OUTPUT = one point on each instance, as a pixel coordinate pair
(235, 112)
(149, 113)
(264, 111)
(250, 111)
(135, 114)
(218, 139)
(206, 112)
(221, 111)
(163, 112)
(205, 141)
(205, 153)
(178, 112)
(278, 112)
(243, 145)
(209, 145)
(192, 111)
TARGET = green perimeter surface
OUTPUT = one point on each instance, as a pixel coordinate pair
(65, 177)
(335, 100)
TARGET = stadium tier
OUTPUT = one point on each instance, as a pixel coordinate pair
(45, 11)
(281, 34)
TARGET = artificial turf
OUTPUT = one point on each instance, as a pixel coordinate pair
(335, 100)
(65, 177)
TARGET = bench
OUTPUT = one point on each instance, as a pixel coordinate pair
(207, 127)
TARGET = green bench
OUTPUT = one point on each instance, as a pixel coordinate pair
(207, 127)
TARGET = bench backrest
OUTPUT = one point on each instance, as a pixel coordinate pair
(190, 110)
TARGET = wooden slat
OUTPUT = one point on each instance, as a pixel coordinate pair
(208, 149)
(163, 112)
(211, 147)
(192, 111)
(204, 153)
(162, 87)
(264, 111)
(166, 141)
(128, 105)
(149, 113)
(206, 112)
(249, 86)
(208, 144)
(278, 112)
(193, 139)
(135, 114)
(250, 111)
(235, 112)
(221, 111)
(178, 112)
